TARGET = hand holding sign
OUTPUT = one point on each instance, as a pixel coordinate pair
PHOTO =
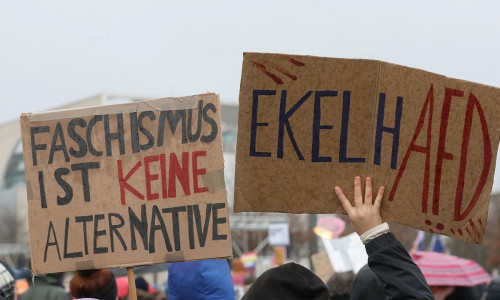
(365, 214)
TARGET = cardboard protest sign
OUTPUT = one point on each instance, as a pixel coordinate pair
(308, 123)
(347, 253)
(278, 234)
(322, 266)
(126, 185)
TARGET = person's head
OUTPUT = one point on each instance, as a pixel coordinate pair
(53, 278)
(289, 281)
(142, 284)
(339, 285)
(99, 284)
(367, 286)
(7, 289)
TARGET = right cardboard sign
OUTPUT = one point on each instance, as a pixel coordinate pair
(309, 123)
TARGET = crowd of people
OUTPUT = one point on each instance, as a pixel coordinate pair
(390, 273)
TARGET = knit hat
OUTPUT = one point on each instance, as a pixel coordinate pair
(290, 281)
(7, 289)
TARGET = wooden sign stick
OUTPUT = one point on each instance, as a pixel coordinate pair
(131, 284)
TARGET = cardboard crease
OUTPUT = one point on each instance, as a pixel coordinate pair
(246, 205)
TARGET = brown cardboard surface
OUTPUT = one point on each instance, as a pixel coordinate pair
(438, 178)
(322, 266)
(134, 198)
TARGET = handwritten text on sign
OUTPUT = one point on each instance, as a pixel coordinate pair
(307, 124)
(132, 183)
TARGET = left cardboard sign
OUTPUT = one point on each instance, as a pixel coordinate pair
(126, 185)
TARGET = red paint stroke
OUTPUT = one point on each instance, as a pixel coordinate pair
(431, 231)
(483, 229)
(468, 231)
(487, 156)
(441, 151)
(428, 106)
(284, 72)
(264, 70)
(181, 172)
(296, 62)
(473, 225)
(475, 229)
(428, 222)
(440, 226)
(460, 231)
(453, 231)
(124, 185)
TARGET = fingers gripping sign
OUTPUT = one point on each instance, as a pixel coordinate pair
(365, 214)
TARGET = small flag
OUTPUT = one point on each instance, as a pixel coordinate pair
(418, 244)
(436, 244)
(249, 260)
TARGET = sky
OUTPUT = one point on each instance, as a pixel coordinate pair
(56, 52)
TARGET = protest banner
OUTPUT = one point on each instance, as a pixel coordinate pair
(278, 234)
(126, 185)
(309, 123)
(347, 253)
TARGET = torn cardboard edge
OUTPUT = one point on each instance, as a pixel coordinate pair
(375, 60)
(167, 103)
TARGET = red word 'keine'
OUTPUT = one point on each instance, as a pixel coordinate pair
(171, 170)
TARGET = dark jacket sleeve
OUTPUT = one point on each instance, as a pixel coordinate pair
(395, 268)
